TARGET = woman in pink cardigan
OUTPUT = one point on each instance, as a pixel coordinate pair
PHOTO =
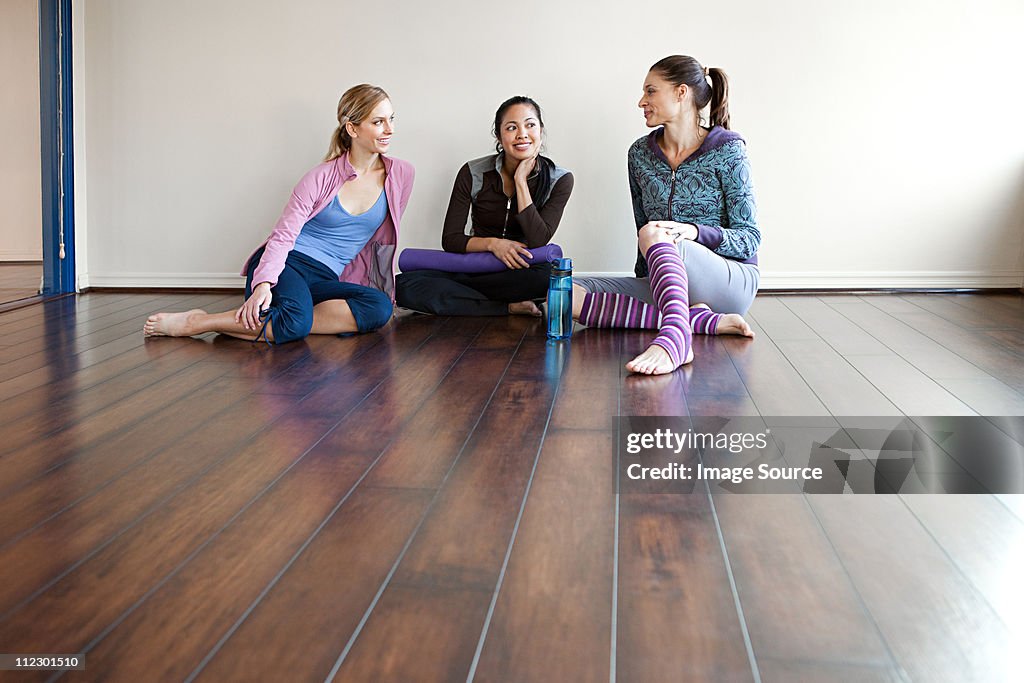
(328, 265)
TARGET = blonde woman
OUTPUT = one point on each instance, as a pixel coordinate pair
(327, 267)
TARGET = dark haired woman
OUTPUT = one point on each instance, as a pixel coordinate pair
(515, 199)
(696, 220)
(327, 266)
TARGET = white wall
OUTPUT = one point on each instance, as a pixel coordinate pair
(21, 226)
(885, 137)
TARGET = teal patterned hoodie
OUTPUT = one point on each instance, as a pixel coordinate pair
(710, 189)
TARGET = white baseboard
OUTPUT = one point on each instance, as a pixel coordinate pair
(1005, 279)
(966, 279)
(15, 255)
(165, 280)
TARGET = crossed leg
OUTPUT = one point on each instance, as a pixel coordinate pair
(329, 317)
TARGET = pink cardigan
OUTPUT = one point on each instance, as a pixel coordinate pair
(374, 266)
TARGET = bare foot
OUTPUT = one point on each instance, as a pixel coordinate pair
(733, 323)
(655, 361)
(525, 308)
(730, 323)
(171, 324)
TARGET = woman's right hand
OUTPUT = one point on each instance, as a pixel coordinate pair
(249, 313)
(510, 252)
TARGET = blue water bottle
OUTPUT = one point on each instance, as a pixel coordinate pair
(560, 299)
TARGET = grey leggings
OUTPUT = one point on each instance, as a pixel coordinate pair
(725, 285)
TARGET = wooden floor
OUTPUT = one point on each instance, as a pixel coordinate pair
(19, 281)
(435, 502)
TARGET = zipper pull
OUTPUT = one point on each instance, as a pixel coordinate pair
(508, 209)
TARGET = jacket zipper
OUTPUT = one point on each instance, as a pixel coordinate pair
(671, 195)
(508, 208)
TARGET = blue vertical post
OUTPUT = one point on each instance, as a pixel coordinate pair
(56, 146)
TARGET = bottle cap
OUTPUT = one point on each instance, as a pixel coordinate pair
(563, 264)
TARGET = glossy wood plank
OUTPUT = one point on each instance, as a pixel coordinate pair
(200, 602)
(714, 387)
(12, 294)
(778, 320)
(365, 430)
(77, 354)
(46, 410)
(500, 329)
(1010, 339)
(125, 317)
(381, 416)
(789, 671)
(986, 396)
(893, 304)
(1001, 308)
(29, 563)
(481, 497)
(27, 316)
(673, 589)
(25, 464)
(373, 367)
(469, 384)
(591, 366)
(552, 619)
(838, 331)
(233, 546)
(325, 357)
(926, 354)
(19, 280)
(416, 634)
(453, 563)
(973, 530)
(912, 391)
(775, 386)
(952, 308)
(838, 385)
(297, 631)
(88, 470)
(57, 379)
(672, 582)
(798, 601)
(937, 625)
(11, 321)
(428, 445)
(974, 347)
(79, 607)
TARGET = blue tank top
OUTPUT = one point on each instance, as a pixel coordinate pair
(334, 236)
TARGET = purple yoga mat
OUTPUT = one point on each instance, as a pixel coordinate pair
(476, 262)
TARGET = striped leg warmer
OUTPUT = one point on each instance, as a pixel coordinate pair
(704, 320)
(668, 282)
(608, 309)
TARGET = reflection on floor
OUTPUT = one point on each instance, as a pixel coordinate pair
(435, 501)
(19, 280)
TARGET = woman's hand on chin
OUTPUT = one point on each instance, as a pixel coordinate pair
(525, 168)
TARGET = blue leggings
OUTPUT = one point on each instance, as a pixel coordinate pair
(304, 283)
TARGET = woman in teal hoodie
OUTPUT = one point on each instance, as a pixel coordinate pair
(693, 204)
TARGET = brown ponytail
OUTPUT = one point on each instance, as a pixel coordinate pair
(683, 70)
(354, 106)
(719, 115)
